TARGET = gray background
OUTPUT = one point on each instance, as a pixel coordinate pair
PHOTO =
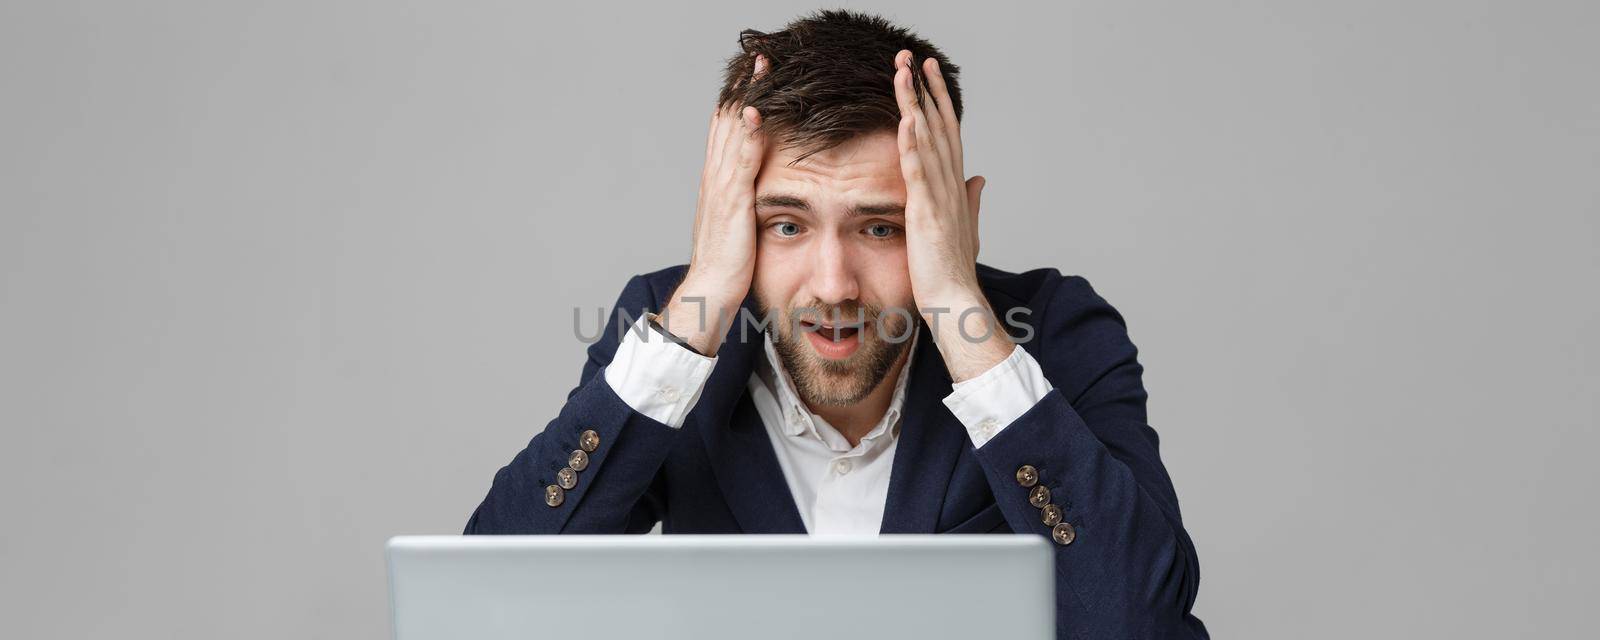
(281, 280)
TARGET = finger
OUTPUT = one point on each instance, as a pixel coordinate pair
(737, 135)
(932, 162)
(937, 127)
(735, 126)
(727, 121)
(904, 95)
(709, 168)
(912, 168)
(711, 135)
(751, 150)
(947, 111)
(732, 116)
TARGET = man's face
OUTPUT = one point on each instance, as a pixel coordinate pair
(831, 244)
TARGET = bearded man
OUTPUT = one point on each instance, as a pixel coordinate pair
(834, 360)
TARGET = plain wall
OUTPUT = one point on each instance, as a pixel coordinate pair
(281, 280)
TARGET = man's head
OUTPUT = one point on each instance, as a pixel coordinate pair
(830, 197)
(828, 79)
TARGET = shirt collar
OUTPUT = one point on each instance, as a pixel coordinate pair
(799, 420)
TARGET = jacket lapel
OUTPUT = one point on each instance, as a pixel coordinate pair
(740, 452)
(931, 439)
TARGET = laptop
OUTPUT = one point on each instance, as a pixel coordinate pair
(705, 587)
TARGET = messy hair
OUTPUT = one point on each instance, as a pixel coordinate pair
(829, 78)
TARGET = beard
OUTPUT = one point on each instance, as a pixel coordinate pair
(838, 382)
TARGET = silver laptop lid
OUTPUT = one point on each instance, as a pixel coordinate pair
(703, 587)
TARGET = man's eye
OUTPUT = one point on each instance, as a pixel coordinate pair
(787, 229)
(881, 231)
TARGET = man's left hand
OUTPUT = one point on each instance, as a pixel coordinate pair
(942, 226)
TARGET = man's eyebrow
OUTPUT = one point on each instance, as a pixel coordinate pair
(783, 200)
(887, 209)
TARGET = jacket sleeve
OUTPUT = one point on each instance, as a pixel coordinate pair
(1125, 567)
(618, 490)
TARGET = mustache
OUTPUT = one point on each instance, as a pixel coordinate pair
(852, 312)
(891, 325)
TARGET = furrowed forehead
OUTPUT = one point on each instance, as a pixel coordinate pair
(860, 178)
(866, 163)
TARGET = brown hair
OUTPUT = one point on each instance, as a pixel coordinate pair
(829, 78)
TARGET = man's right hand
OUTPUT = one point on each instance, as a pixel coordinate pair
(724, 255)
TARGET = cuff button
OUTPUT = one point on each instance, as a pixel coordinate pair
(1063, 534)
(589, 440)
(1050, 515)
(567, 478)
(1039, 497)
(987, 427)
(554, 496)
(579, 460)
(1027, 476)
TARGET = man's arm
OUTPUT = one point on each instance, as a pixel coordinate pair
(1081, 465)
(1083, 470)
(594, 468)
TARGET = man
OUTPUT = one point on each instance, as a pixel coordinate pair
(882, 389)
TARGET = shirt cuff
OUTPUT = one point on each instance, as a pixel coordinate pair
(657, 377)
(997, 397)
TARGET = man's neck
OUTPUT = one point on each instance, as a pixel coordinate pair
(855, 421)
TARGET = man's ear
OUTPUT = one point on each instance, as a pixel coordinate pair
(975, 193)
(974, 196)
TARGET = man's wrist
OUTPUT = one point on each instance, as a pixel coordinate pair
(698, 320)
(969, 336)
(654, 322)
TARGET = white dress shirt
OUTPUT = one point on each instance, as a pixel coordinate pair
(839, 489)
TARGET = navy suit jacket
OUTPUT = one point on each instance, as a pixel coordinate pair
(1131, 572)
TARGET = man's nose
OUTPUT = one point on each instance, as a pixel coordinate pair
(833, 276)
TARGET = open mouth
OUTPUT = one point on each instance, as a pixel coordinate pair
(836, 333)
(833, 341)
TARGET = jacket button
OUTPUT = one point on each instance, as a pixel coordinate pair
(589, 440)
(1039, 497)
(1027, 476)
(567, 478)
(1063, 534)
(579, 460)
(1050, 515)
(554, 495)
